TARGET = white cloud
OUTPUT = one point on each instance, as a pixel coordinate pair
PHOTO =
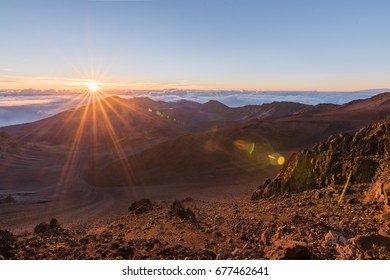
(20, 106)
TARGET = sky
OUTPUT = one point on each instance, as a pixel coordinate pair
(328, 45)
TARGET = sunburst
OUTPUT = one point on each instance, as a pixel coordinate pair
(93, 87)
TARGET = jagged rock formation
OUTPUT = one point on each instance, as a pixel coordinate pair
(362, 158)
(44, 228)
(381, 187)
(7, 240)
(183, 213)
(140, 207)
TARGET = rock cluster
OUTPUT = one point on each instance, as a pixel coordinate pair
(7, 240)
(288, 250)
(305, 225)
(183, 213)
(51, 228)
(142, 206)
(362, 158)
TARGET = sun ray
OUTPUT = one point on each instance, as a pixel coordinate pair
(68, 170)
(127, 169)
(73, 153)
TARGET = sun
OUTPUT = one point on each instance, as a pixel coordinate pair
(93, 87)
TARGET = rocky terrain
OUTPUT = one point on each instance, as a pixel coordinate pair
(327, 202)
(306, 225)
(361, 159)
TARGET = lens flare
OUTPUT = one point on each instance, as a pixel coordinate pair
(276, 159)
(245, 146)
(345, 188)
(281, 160)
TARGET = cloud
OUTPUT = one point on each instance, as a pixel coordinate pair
(21, 106)
(242, 98)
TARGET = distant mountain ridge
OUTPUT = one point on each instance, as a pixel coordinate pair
(142, 141)
(145, 117)
(193, 155)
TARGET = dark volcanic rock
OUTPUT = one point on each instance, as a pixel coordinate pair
(363, 158)
(381, 187)
(288, 250)
(7, 240)
(141, 206)
(126, 253)
(373, 246)
(183, 213)
(54, 224)
(41, 228)
(44, 228)
(179, 252)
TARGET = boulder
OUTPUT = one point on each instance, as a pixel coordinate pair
(7, 241)
(140, 207)
(125, 253)
(332, 237)
(374, 246)
(183, 213)
(288, 250)
(43, 228)
(265, 238)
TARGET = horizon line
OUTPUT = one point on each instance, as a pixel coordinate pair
(75, 90)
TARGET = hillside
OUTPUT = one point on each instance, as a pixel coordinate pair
(238, 148)
(359, 159)
(306, 212)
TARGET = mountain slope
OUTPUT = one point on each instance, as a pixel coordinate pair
(114, 117)
(235, 149)
(298, 131)
(359, 159)
(99, 122)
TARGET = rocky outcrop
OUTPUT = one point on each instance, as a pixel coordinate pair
(380, 190)
(305, 225)
(44, 228)
(362, 158)
(140, 207)
(7, 240)
(288, 250)
(183, 213)
(373, 246)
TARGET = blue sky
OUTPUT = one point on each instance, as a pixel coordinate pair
(214, 44)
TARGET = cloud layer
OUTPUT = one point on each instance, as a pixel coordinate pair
(30, 105)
